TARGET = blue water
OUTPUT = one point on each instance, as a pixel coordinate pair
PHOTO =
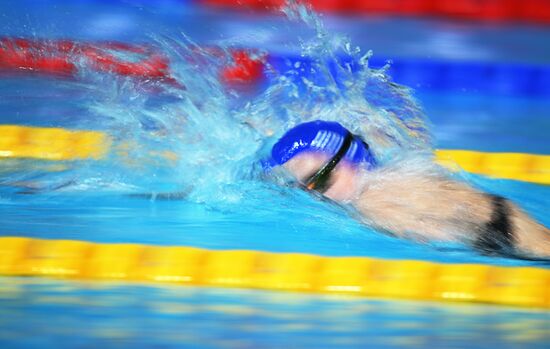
(474, 121)
(82, 315)
(234, 210)
(238, 218)
(317, 228)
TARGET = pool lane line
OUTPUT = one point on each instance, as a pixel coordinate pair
(60, 57)
(528, 11)
(52, 143)
(252, 66)
(517, 166)
(360, 276)
(62, 144)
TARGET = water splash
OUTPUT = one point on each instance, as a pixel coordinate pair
(332, 80)
(198, 136)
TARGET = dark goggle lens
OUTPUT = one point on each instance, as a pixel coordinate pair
(320, 180)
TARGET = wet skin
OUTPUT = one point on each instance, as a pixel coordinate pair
(420, 203)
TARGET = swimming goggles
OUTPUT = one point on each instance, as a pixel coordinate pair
(319, 180)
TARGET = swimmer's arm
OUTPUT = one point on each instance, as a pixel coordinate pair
(425, 206)
(532, 238)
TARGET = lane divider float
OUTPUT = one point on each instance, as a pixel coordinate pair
(60, 58)
(362, 276)
(517, 166)
(532, 11)
(52, 143)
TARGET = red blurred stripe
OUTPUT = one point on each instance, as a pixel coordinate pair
(58, 57)
(537, 11)
(254, 4)
(246, 68)
(472, 9)
(401, 7)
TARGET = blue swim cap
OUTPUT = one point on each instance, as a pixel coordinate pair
(325, 136)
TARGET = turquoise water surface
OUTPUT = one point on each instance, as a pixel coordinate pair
(226, 206)
(40, 313)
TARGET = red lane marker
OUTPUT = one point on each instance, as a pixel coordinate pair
(535, 11)
(19, 55)
(401, 7)
(262, 5)
(59, 57)
(152, 66)
(469, 9)
(246, 68)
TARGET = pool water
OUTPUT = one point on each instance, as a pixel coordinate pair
(55, 314)
(318, 228)
(61, 314)
(297, 223)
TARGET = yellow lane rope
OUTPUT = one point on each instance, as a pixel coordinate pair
(519, 286)
(523, 167)
(62, 144)
(51, 143)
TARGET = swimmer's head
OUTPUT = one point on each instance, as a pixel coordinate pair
(321, 136)
(330, 139)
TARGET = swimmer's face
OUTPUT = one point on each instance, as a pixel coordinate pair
(342, 183)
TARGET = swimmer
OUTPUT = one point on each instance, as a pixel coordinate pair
(418, 202)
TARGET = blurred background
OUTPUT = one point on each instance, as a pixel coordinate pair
(480, 69)
(470, 62)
